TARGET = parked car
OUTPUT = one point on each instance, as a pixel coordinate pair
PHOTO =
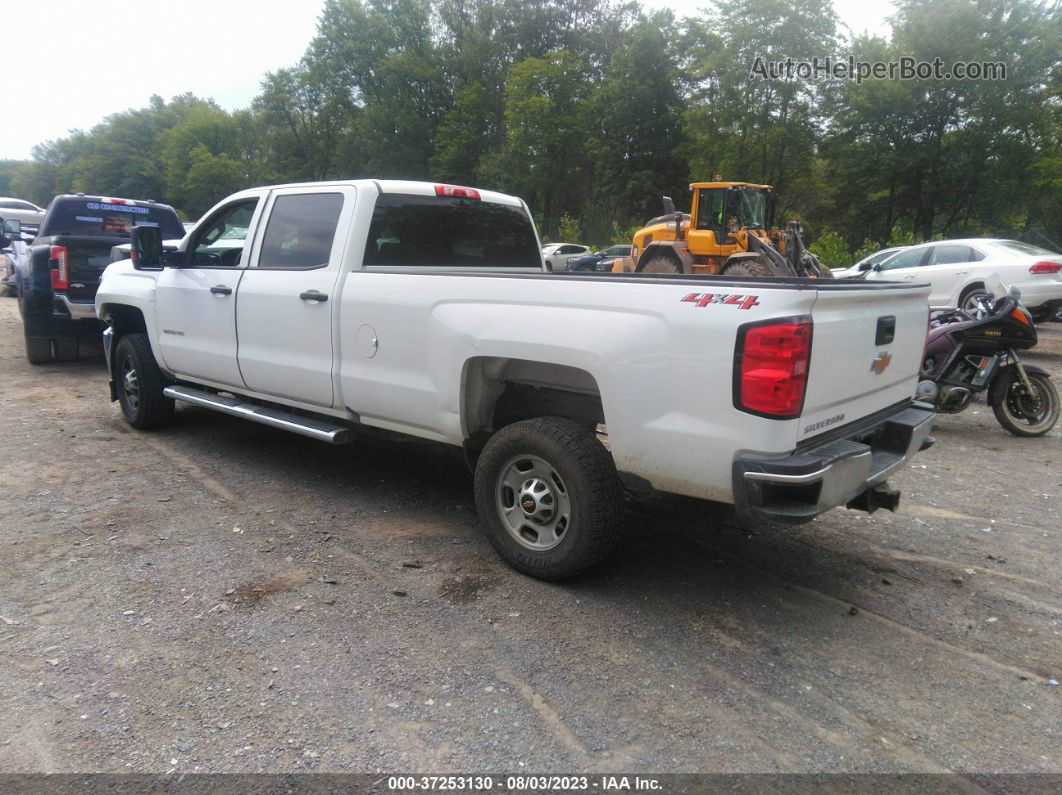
(28, 214)
(866, 263)
(957, 269)
(556, 255)
(58, 276)
(599, 260)
(419, 309)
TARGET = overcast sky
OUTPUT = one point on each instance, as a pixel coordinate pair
(71, 62)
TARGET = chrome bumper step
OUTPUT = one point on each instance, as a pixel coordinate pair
(322, 430)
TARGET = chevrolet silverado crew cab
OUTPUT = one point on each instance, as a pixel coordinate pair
(330, 309)
(57, 276)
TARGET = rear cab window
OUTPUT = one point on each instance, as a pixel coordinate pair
(94, 217)
(418, 231)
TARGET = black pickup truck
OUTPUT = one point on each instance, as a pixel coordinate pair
(58, 277)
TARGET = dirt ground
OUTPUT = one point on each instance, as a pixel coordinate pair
(224, 597)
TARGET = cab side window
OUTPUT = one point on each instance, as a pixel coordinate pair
(710, 209)
(220, 242)
(300, 231)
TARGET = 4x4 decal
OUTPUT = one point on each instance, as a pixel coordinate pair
(740, 301)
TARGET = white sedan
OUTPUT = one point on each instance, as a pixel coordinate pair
(956, 271)
(555, 255)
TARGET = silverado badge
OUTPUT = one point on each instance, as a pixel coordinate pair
(880, 362)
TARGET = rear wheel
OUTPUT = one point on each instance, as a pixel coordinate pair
(66, 349)
(970, 301)
(661, 264)
(1025, 414)
(139, 383)
(748, 267)
(38, 350)
(548, 496)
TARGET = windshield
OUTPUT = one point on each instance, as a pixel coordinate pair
(748, 206)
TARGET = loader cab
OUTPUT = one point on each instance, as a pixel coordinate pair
(720, 209)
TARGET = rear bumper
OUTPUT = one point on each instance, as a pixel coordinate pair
(848, 471)
(78, 310)
(1040, 294)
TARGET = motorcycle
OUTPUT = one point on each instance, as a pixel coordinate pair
(970, 353)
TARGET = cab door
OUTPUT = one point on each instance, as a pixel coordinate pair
(196, 301)
(288, 298)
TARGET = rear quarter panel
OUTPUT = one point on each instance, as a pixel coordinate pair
(663, 366)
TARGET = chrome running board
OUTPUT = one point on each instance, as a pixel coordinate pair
(275, 418)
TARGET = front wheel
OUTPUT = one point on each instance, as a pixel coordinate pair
(1025, 414)
(139, 383)
(548, 496)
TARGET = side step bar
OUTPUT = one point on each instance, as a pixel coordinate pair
(275, 418)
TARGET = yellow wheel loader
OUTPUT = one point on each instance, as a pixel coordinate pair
(726, 232)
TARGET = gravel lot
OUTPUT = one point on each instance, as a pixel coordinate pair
(224, 597)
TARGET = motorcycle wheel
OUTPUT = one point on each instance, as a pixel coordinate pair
(1029, 415)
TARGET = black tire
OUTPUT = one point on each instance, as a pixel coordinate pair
(1024, 417)
(661, 264)
(66, 349)
(139, 383)
(1041, 315)
(748, 267)
(578, 481)
(38, 350)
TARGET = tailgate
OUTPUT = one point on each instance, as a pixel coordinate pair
(866, 353)
(86, 257)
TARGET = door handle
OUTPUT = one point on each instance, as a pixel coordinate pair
(313, 295)
(221, 289)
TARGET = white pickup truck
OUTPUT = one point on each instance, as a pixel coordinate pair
(329, 309)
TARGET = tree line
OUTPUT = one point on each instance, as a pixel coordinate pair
(591, 110)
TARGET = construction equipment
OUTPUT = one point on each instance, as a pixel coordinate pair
(726, 232)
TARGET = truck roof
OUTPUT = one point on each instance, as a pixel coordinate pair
(414, 187)
(729, 185)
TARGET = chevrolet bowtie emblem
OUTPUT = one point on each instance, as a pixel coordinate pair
(881, 362)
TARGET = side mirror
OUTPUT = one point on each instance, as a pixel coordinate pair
(865, 266)
(876, 268)
(1015, 294)
(13, 229)
(146, 249)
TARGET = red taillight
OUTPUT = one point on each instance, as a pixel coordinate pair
(57, 262)
(456, 192)
(771, 371)
(1046, 267)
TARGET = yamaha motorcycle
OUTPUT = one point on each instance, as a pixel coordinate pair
(970, 353)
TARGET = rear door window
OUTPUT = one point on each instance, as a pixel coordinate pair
(446, 232)
(950, 255)
(300, 231)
